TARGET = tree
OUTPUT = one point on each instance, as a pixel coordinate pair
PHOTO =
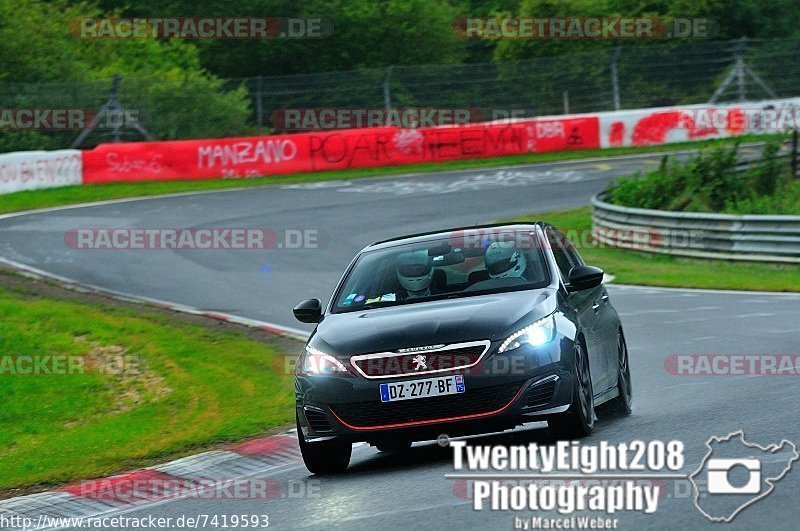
(164, 82)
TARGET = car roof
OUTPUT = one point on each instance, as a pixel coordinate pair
(428, 236)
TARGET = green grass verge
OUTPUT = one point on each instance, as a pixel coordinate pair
(183, 387)
(29, 200)
(632, 267)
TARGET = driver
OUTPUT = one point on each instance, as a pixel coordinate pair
(415, 273)
(504, 261)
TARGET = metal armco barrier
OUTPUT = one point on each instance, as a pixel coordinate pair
(722, 236)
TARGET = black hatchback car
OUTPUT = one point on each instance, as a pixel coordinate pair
(466, 331)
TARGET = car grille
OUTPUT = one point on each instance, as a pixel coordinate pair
(318, 421)
(539, 395)
(385, 365)
(472, 402)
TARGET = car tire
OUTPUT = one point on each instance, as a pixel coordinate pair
(326, 457)
(578, 420)
(623, 403)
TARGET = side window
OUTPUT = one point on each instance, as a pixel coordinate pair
(574, 258)
(559, 253)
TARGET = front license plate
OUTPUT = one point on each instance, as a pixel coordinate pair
(445, 385)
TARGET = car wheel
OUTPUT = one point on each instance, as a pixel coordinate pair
(394, 447)
(328, 457)
(578, 420)
(623, 403)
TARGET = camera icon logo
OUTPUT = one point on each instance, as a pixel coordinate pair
(735, 474)
(719, 476)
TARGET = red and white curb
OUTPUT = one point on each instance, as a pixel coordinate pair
(205, 475)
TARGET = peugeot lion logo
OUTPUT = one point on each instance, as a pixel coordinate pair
(420, 362)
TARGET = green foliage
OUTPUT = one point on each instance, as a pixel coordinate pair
(370, 34)
(767, 175)
(709, 182)
(24, 141)
(174, 86)
(785, 200)
(735, 18)
(163, 82)
(186, 104)
(364, 34)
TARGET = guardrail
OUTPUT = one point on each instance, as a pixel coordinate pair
(757, 238)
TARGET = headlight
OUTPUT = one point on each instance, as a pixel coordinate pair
(316, 362)
(535, 334)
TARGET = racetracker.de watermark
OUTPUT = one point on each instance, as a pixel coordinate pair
(154, 486)
(173, 239)
(733, 118)
(515, 364)
(733, 364)
(200, 28)
(120, 365)
(585, 28)
(632, 238)
(324, 118)
(63, 119)
(41, 365)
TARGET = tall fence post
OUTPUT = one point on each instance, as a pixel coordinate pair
(113, 104)
(387, 92)
(740, 71)
(794, 154)
(615, 77)
(259, 103)
(565, 97)
(740, 68)
(111, 110)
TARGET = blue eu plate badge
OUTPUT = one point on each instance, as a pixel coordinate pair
(459, 383)
(384, 392)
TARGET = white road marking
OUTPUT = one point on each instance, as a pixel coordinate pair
(482, 181)
(648, 312)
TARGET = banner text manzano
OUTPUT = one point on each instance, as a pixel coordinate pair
(357, 148)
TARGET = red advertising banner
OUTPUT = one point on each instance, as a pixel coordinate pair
(335, 150)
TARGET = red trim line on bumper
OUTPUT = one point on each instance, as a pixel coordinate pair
(431, 421)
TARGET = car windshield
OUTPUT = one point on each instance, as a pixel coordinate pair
(444, 268)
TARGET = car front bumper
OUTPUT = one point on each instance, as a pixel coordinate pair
(510, 389)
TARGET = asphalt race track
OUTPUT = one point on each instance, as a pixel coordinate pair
(410, 490)
(265, 285)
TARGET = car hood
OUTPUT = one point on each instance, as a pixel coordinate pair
(493, 317)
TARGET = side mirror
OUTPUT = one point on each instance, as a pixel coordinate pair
(584, 277)
(309, 311)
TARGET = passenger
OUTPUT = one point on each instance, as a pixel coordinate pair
(504, 262)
